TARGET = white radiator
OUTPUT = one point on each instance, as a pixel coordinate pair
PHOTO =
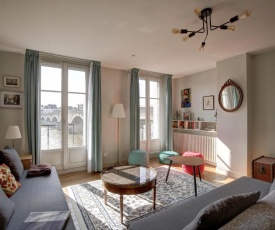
(196, 143)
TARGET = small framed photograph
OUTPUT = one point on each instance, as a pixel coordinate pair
(12, 82)
(208, 102)
(11, 99)
(186, 116)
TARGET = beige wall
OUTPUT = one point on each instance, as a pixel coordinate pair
(115, 89)
(263, 105)
(11, 64)
(201, 84)
(232, 127)
(246, 134)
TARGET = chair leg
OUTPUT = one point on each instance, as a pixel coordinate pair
(168, 171)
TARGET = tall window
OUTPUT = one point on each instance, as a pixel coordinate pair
(149, 113)
(63, 113)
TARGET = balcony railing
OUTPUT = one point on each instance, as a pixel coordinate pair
(51, 136)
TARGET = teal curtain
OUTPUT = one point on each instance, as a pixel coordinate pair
(168, 112)
(94, 119)
(31, 89)
(134, 110)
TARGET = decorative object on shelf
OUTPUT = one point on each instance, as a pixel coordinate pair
(208, 102)
(13, 132)
(205, 16)
(194, 125)
(186, 116)
(185, 98)
(177, 115)
(118, 112)
(11, 81)
(230, 96)
(216, 115)
(11, 99)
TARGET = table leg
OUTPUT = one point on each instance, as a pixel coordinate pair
(168, 171)
(105, 196)
(195, 183)
(121, 209)
(199, 172)
(154, 197)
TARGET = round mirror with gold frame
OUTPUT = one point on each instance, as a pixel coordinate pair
(230, 96)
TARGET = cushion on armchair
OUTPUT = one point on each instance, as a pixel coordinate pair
(10, 157)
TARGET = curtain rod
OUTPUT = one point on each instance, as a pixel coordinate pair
(145, 73)
(62, 58)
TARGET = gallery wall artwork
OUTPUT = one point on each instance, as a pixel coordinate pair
(11, 99)
(208, 102)
(185, 98)
(11, 81)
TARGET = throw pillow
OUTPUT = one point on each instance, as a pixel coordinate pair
(215, 215)
(259, 216)
(7, 181)
(272, 188)
(10, 157)
(6, 209)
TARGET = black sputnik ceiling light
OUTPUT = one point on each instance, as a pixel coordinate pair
(205, 16)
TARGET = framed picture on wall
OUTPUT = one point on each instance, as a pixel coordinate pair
(208, 102)
(11, 81)
(185, 98)
(11, 99)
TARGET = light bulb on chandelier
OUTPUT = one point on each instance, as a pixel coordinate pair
(202, 46)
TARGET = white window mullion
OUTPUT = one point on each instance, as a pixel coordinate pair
(65, 114)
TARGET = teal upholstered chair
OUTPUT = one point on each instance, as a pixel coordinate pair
(163, 156)
(138, 157)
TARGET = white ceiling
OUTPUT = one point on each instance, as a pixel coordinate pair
(112, 31)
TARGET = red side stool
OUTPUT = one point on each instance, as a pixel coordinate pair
(189, 169)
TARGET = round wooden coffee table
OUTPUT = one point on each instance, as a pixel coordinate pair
(129, 180)
(190, 161)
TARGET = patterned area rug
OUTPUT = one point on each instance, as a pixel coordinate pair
(86, 201)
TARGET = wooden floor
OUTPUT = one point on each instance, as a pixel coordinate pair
(209, 175)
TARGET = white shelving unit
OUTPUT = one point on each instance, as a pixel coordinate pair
(194, 125)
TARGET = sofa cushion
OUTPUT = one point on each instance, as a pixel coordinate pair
(259, 216)
(7, 181)
(38, 194)
(6, 209)
(10, 157)
(218, 213)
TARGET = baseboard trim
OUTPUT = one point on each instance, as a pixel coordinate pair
(72, 170)
(228, 173)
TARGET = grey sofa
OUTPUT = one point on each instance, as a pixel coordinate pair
(180, 215)
(38, 194)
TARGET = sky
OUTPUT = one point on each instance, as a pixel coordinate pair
(51, 80)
